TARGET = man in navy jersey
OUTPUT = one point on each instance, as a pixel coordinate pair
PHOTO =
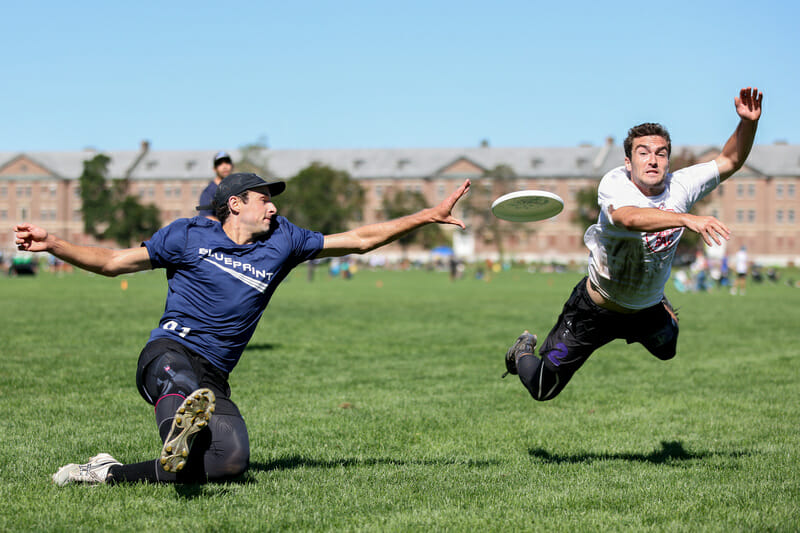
(221, 276)
(223, 167)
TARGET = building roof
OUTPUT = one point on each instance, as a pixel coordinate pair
(410, 163)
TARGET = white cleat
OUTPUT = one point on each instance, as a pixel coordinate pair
(192, 416)
(95, 471)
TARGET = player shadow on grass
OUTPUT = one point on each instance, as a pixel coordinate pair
(190, 491)
(255, 346)
(296, 461)
(671, 451)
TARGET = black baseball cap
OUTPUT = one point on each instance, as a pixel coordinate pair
(222, 156)
(236, 184)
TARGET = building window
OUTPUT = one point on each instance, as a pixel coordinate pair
(379, 191)
(739, 190)
(740, 215)
(751, 216)
(751, 190)
(790, 190)
(3, 214)
(779, 190)
(779, 216)
(790, 216)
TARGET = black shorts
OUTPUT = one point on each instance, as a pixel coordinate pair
(207, 374)
(583, 327)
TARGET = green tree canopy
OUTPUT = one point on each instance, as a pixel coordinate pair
(109, 212)
(477, 208)
(322, 199)
(400, 202)
(586, 210)
(254, 158)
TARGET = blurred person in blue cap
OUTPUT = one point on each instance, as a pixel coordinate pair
(220, 277)
(223, 166)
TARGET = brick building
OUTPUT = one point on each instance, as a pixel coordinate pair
(760, 203)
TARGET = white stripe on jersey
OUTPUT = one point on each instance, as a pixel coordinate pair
(260, 286)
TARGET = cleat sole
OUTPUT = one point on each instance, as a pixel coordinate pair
(197, 408)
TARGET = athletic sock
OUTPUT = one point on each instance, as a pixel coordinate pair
(150, 471)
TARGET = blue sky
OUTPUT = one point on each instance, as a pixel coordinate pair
(371, 74)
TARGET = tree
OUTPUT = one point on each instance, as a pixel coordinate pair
(477, 208)
(587, 210)
(400, 202)
(254, 158)
(109, 212)
(322, 198)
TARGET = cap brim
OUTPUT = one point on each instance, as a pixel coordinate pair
(277, 187)
(274, 188)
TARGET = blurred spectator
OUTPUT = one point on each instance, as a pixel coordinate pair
(223, 165)
(741, 264)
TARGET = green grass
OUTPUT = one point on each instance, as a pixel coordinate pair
(376, 404)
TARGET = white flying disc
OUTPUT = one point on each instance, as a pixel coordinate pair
(527, 206)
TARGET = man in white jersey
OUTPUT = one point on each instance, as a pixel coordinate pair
(644, 210)
(742, 266)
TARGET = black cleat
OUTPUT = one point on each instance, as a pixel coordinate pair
(524, 346)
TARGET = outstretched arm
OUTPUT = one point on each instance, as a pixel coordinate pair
(372, 236)
(736, 150)
(105, 261)
(650, 219)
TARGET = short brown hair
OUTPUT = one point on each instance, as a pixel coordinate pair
(222, 212)
(645, 130)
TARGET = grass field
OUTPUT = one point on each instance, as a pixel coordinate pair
(376, 404)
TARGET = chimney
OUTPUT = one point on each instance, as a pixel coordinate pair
(144, 147)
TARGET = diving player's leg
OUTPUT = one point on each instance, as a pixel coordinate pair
(579, 331)
(656, 328)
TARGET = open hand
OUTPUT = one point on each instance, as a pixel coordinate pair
(748, 103)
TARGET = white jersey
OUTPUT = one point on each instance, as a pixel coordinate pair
(741, 262)
(630, 268)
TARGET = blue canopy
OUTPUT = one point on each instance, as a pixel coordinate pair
(442, 250)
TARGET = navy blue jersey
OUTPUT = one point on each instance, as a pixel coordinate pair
(206, 197)
(217, 289)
